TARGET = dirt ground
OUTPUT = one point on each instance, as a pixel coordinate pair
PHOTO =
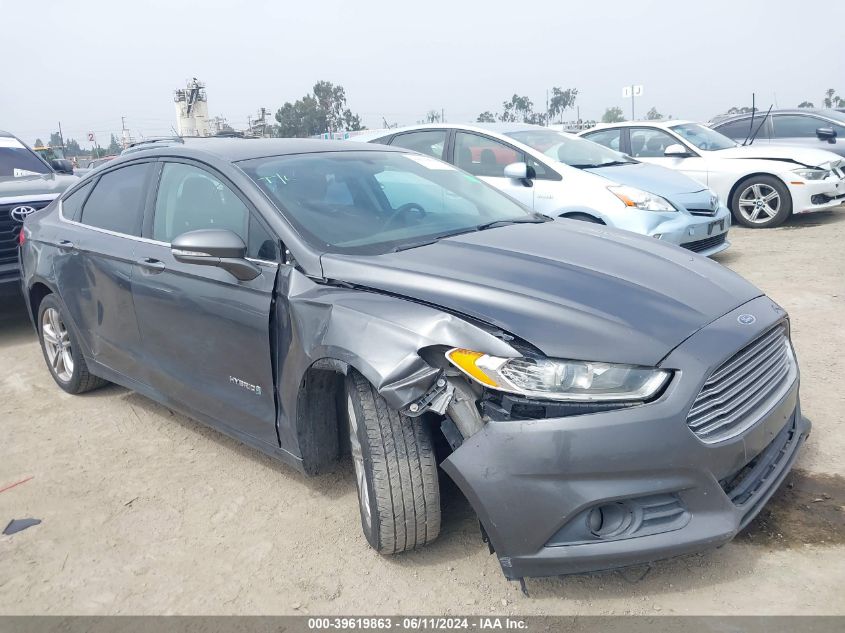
(147, 512)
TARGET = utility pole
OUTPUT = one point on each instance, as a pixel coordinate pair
(263, 122)
(442, 115)
(633, 118)
(61, 138)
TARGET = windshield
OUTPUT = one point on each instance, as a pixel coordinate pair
(16, 161)
(703, 137)
(368, 202)
(572, 150)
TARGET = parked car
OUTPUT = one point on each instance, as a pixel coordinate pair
(605, 399)
(563, 176)
(763, 185)
(801, 127)
(27, 183)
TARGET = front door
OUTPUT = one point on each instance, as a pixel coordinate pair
(205, 334)
(649, 145)
(487, 158)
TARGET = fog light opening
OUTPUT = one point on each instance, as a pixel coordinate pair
(609, 520)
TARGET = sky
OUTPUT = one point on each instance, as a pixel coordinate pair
(87, 63)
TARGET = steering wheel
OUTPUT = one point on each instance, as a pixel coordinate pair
(403, 211)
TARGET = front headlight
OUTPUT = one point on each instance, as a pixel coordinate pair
(554, 379)
(639, 199)
(812, 173)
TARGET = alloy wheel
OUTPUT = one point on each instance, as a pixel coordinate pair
(56, 340)
(759, 203)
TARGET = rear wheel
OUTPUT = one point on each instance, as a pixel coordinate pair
(395, 471)
(761, 202)
(61, 351)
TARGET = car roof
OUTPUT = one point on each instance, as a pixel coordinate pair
(826, 112)
(4, 133)
(238, 149)
(498, 127)
(646, 123)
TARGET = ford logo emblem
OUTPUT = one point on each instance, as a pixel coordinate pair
(746, 319)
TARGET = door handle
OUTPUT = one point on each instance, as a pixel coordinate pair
(66, 245)
(152, 264)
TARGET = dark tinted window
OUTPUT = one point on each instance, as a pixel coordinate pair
(800, 126)
(72, 204)
(261, 244)
(16, 161)
(737, 130)
(429, 142)
(117, 201)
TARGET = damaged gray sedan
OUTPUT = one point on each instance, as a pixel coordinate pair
(600, 398)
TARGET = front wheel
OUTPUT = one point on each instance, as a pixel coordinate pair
(761, 202)
(61, 351)
(395, 471)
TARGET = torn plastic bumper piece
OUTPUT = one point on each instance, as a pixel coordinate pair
(609, 489)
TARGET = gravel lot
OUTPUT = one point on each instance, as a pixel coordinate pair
(147, 512)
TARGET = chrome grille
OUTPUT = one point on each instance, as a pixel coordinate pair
(744, 388)
(704, 212)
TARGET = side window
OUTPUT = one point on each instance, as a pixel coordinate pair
(430, 142)
(737, 130)
(72, 204)
(190, 198)
(649, 142)
(117, 201)
(608, 138)
(482, 156)
(797, 126)
(261, 243)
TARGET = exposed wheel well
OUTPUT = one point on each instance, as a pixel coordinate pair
(578, 215)
(36, 295)
(320, 419)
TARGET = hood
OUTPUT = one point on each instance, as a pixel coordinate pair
(41, 185)
(652, 178)
(803, 156)
(573, 290)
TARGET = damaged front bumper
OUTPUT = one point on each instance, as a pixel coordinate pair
(616, 488)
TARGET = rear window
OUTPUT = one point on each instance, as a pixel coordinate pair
(116, 203)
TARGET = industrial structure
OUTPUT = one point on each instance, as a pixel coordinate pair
(192, 109)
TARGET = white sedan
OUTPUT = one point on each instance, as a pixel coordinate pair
(762, 184)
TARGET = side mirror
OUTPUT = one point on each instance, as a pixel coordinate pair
(826, 134)
(522, 172)
(676, 151)
(215, 247)
(62, 166)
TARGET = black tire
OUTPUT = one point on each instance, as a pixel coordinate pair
(78, 379)
(398, 490)
(744, 203)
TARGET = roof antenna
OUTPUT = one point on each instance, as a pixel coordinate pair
(751, 125)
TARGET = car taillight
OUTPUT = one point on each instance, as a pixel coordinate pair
(21, 237)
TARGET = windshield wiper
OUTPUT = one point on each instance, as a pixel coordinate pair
(536, 219)
(611, 163)
(431, 240)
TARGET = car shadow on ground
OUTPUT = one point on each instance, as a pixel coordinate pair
(15, 326)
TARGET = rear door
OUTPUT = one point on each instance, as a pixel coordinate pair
(206, 334)
(97, 241)
(649, 145)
